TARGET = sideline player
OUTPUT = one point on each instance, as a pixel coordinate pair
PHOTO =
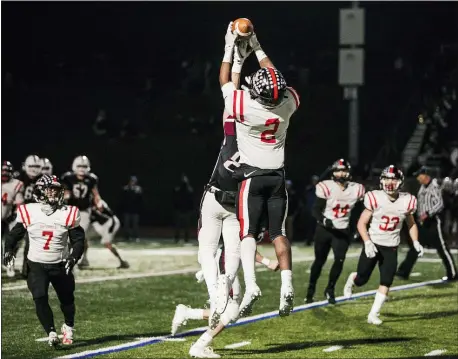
(262, 117)
(335, 200)
(81, 190)
(385, 210)
(50, 225)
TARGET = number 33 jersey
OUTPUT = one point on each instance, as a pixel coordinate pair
(80, 189)
(388, 216)
(261, 131)
(339, 202)
(48, 235)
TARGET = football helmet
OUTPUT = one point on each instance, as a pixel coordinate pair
(340, 171)
(48, 190)
(81, 165)
(32, 166)
(391, 179)
(7, 171)
(46, 166)
(267, 86)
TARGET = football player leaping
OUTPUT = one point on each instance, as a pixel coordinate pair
(50, 225)
(335, 200)
(386, 210)
(81, 190)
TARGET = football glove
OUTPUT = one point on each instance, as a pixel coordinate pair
(327, 223)
(229, 39)
(69, 264)
(256, 46)
(8, 259)
(419, 248)
(370, 249)
(241, 52)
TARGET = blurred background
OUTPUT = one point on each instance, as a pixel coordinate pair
(134, 86)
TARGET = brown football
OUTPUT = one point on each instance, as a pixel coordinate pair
(242, 27)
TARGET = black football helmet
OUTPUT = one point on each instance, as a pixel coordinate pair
(48, 190)
(267, 86)
(344, 166)
(391, 179)
(7, 171)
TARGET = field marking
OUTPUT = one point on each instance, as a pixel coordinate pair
(243, 321)
(435, 352)
(237, 345)
(333, 348)
(415, 274)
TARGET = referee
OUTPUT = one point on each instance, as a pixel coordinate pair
(430, 206)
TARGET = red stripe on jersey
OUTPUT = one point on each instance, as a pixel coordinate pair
(74, 216)
(327, 189)
(274, 81)
(373, 200)
(18, 187)
(370, 200)
(410, 203)
(323, 189)
(414, 203)
(242, 118)
(22, 215)
(362, 191)
(295, 96)
(234, 104)
(69, 216)
(27, 214)
(241, 219)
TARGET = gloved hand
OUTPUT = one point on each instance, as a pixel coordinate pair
(419, 248)
(370, 249)
(256, 46)
(229, 39)
(69, 264)
(327, 223)
(241, 52)
(8, 259)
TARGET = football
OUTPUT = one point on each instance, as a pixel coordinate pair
(242, 27)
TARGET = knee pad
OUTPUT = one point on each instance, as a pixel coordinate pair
(231, 313)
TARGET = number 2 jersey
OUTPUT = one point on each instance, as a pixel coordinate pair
(388, 216)
(261, 131)
(80, 189)
(339, 202)
(48, 235)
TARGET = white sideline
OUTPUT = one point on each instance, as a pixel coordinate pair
(255, 318)
(237, 345)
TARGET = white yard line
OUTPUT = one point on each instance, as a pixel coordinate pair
(333, 348)
(237, 345)
(435, 352)
(415, 274)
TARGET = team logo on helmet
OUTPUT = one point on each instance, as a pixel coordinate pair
(391, 179)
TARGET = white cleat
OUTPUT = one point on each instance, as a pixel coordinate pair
(67, 334)
(348, 288)
(202, 352)
(373, 318)
(246, 307)
(179, 318)
(53, 339)
(223, 289)
(286, 302)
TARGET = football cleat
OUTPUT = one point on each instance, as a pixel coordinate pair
(286, 302)
(202, 352)
(308, 300)
(246, 307)
(67, 334)
(179, 318)
(53, 339)
(124, 265)
(373, 318)
(223, 289)
(348, 288)
(330, 296)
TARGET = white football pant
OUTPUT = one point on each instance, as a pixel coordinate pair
(85, 221)
(216, 220)
(107, 231)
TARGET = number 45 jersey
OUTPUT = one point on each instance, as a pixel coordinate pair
(339, 202)
(48, 235)
(388, 216)
(81, 189)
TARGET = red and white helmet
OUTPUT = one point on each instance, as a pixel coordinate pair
(391, 179)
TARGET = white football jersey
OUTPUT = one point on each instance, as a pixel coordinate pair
(261, 132)
(387, 216)
(48, 235)
(339, 202)
(10, 192)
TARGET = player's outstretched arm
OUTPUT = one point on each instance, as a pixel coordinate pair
(263, 59)
(226, 65)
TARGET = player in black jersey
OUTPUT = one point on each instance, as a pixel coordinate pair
(81, 190)
(31, 171)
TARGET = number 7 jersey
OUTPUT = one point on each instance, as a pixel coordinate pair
(388, 216)
(48, 235)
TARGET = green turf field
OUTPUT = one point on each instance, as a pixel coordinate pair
(109, 313)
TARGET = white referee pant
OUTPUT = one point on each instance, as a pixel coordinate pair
(215, 220)
(107, 230)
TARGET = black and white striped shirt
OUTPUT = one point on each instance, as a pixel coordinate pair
(430, 199)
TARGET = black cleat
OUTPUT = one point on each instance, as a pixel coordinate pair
(330, 296)
(124, 265)
(308, 300)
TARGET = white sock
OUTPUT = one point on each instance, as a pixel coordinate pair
(236, 288)
(378, 302)
(194, 313)
(248, 255)
(204, 340)
(286, 278)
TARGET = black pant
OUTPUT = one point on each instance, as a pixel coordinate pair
(183, 223)
(24, 261)
(324, 240)
(131, 225)
(430, 234)
(40, 275)
(387, 259)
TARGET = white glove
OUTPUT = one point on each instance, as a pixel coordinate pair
(419, 248)
(370, 249)
(229, 39)
(200, 276)
(256, 46)
(241, 51)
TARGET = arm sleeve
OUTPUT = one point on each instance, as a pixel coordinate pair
(14, 236)
(76, 236)
(318, 208)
